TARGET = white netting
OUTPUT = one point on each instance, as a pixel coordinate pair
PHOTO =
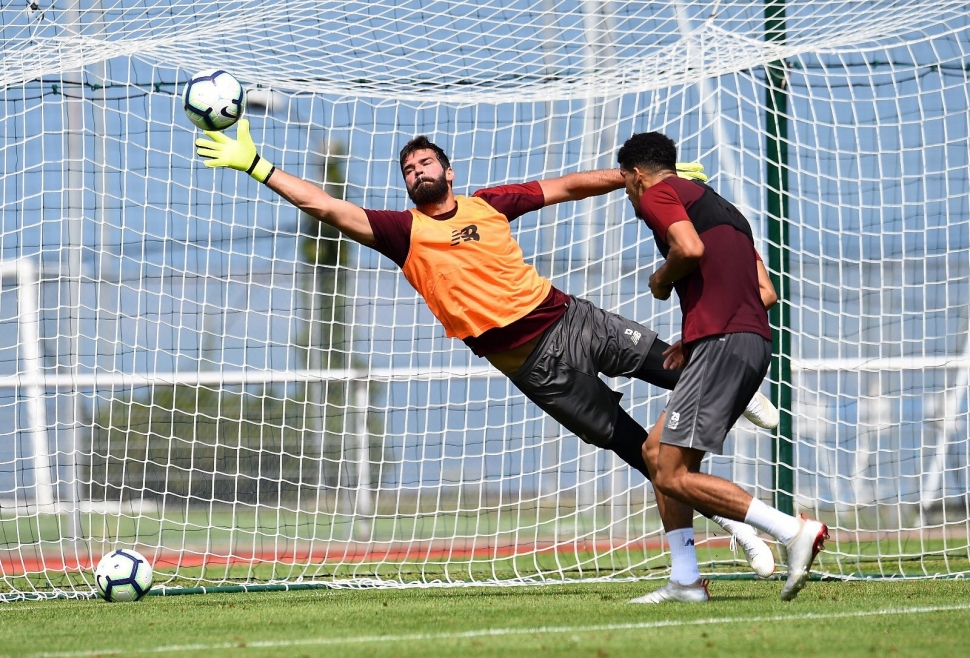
(456, 51)
(190, 367)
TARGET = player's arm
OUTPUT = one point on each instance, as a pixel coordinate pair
(580, 185)
(686, 251)
(573, 187)
(768, 295)
(344, 216)
(220, 150)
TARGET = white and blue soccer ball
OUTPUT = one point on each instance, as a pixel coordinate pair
(123, 575)
(214, 100)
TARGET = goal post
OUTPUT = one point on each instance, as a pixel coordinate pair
(23, 274)
(190, 368)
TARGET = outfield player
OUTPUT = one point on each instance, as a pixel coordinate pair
(459, 254)
(711, 262)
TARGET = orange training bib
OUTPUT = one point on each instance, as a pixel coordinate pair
(470, 270)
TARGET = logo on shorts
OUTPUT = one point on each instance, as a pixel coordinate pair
(633, 334)
(673, 420)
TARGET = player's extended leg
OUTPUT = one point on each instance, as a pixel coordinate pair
(685, 581)
(678, 476)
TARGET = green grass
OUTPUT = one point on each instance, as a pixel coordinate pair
(863, 618)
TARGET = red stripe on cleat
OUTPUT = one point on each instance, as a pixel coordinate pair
(819, 544)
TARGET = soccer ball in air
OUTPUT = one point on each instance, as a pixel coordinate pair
(214, 100)
(123, 575)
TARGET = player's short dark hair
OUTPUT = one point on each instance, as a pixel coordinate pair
(651, 152)
(420, 143)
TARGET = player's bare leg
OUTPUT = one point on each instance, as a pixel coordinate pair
(685, 584)
(678, 476)
(756, 551)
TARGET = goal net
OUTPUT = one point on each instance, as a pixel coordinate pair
(191, 368)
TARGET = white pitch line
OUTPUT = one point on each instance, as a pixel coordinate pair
(496, 632)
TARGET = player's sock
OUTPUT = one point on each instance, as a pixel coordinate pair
(627, 441)
(652, 369)
(683, 556)
(767, 519)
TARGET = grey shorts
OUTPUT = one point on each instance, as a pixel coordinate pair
(723, 374)
(562, 374)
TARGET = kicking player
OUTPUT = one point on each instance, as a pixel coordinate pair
(725, 350)
(459, 254)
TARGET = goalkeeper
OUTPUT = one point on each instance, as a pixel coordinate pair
(459, 254)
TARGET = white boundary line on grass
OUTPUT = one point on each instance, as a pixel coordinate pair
(496, 632)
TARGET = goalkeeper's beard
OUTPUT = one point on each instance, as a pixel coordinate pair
(427, 194)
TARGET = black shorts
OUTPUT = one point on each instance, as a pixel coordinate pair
(562, 374)
(722, 376)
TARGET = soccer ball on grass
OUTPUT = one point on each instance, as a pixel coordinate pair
(123, 575)
(214, 100)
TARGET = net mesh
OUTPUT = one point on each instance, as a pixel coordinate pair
(190, 367)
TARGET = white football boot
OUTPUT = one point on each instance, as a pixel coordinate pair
(761, 412)
(801, 553)
(696, 592)
(756, 552)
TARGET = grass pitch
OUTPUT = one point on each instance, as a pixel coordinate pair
(862, 618)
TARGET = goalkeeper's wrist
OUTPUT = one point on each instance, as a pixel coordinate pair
(261, 169)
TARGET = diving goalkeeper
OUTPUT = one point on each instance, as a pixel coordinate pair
(459, 254)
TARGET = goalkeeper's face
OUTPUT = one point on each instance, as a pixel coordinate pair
(427, 182)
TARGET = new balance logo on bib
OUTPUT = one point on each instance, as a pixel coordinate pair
(464, 235)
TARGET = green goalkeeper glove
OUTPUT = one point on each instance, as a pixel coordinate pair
(691, 171)
(239, 154)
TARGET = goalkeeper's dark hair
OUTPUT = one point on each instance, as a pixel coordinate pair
(650, 152)
(420, 143)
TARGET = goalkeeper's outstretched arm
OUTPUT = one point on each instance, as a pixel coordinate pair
(221, 150)
(311, 199)
(580, 185)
